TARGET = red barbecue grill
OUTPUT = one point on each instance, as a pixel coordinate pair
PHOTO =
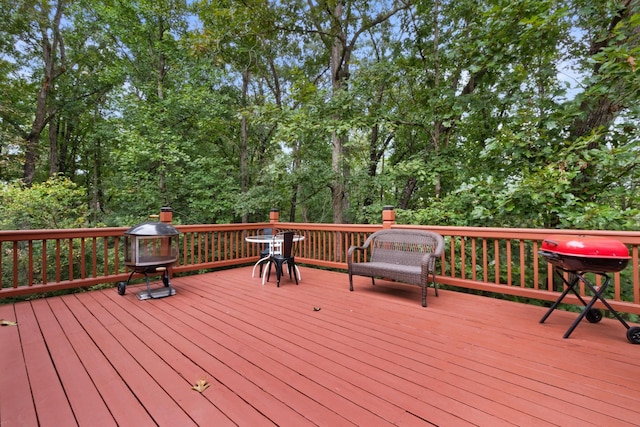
(150, 247)
(578, 255)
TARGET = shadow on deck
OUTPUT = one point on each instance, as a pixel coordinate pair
(371, 357)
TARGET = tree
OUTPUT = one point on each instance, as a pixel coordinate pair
(340, 24)
(456, 112)
(241, 34)
(611, 87)
(37, 44)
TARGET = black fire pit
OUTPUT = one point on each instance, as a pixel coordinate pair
(578, 255)
(150, 247)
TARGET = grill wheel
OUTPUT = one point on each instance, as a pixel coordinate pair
(594, 315)
(633, 335)
(122, 287)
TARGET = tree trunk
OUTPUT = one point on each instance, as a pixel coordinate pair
(407, 192)
(340, 53)
(54, 159)
(50, 51)
(39, 122)
(244, 137)
(339, 72)
(161, 75)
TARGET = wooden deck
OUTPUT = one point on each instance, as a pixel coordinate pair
(372, 357)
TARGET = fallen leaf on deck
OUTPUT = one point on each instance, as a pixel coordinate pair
(8, 323)
(201, 385)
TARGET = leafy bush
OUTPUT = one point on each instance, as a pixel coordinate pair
(56, 203)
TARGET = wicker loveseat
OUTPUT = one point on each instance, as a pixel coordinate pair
(407, 256)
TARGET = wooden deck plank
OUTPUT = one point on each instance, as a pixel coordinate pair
(16, 404)
(632, 414)
(122, 404)
(395, 371)
(179, 366)
(519, 360)
(258, 350)
(49, 397)
(519, 366)
(369, 357)
(85, 400)
(144, 387)
(275, 408)
(391, 395)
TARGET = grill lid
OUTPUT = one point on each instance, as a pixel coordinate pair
(585, 246)
(152, 229)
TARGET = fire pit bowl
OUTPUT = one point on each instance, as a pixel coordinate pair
(150, 244)
(585, 253)
(150, 247)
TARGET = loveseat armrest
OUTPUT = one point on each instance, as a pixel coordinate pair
(352, 249)
(428, 271)
(360, 248)
(429, 259)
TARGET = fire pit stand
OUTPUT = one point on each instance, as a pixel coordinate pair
(150, 247)
(578, 256)
(149, 293)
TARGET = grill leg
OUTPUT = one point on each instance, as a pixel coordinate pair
(589, 306)
(597, 295)
(569, 287)
(146, 276)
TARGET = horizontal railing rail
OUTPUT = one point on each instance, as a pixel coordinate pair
(496, 260)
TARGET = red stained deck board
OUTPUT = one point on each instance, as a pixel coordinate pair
(229, 368)
(201, 407)
(520, 358)
(568, 393)
(370, 355)
(447, 320)
(85, 400)
(144, 349)
(207, 353)
(321, 404)
(144, 387)
(51, 403)
(494, 365)
(400, 396)
(243, 408)
(391, 379)
(16, 404)
(561, 363)
(126, 409)
(339, 365)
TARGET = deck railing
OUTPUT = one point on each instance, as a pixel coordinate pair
(497, 260)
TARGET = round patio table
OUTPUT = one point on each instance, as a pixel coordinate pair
(274, 243)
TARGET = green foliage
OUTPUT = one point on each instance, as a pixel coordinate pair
(209, 194)
(56, 203)
(497, 113)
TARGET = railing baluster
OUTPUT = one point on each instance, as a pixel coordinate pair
(30, 262)
(15, 264)
(522, 266)
(70, 259)
(44, 275)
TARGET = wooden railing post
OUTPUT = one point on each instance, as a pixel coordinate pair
(166, 214)
(274, 215)
(388, 216)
